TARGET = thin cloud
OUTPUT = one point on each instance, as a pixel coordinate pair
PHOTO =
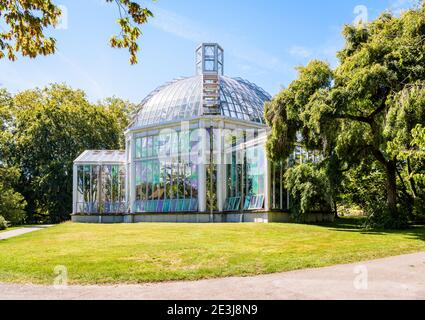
(182, 27)
(12, 78)
(300, 52)
(179, 26)
(399, 6)
(96, 88)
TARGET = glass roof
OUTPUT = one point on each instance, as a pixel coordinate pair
(181, 99)
(101, 156)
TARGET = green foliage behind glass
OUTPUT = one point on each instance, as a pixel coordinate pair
(309, 190)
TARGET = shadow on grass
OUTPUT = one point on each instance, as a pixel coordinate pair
(356, 224)
(32, 226)
(45, 226)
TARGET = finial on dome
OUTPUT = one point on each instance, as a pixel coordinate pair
(209, 59)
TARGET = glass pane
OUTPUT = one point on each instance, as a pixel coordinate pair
(175, 144)
(144, 147)
(149, 146)
(95, 187)
(106, 188)
(169, 180)
(149, 180)
(194, 205)
(209, 51)
(80, 184)
(155, 146)
(122, 187)
(209, 65)
(138, 148)
(87, 184)
(194, 181)
(166, 206)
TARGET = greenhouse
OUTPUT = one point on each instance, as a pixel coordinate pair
(195, 152)
(100, 182)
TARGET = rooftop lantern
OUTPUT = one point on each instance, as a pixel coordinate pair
(209, 59)
(209, 64)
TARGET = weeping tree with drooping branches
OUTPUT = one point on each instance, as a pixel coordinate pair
(369, 109)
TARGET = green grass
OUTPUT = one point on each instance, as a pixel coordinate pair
(137, 253)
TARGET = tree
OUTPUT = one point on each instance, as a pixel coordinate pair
(27, 21)
(12, 203)
(50, 127)
(122, 111)
(404, 128)
(366, 108)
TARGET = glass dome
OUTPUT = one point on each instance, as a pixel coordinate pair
(182, 100)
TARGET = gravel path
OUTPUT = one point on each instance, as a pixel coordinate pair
(400, 277)
(18, 232)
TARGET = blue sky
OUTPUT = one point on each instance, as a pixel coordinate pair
(263, 41)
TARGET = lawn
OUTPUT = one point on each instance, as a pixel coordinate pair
(137, 253)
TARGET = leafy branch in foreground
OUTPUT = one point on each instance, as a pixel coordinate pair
(27, 21)
(130, 11)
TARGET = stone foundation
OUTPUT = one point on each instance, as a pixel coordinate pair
(247, 217)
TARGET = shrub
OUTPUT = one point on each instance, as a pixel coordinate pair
(3, 223)
(379, 217)
(12, 203)
(12, 206)
(309, 191)
(419, 209)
